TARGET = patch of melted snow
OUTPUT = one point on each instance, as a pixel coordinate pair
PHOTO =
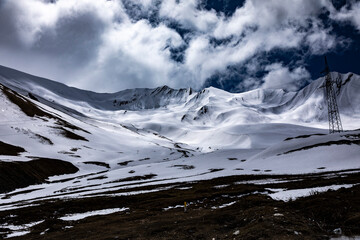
(17, 234)
(79, 216)
(286, 195)
(224, 205)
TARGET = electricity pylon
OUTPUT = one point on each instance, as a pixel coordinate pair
(333, 110)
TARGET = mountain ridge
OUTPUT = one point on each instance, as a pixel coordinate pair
(27, 83)
(274, 101)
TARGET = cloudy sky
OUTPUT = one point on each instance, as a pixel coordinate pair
(236, 45)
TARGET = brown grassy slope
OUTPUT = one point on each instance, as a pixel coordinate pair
(21, 174)
(11, 150)
(252, 217)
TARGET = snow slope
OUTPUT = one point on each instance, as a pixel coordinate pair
(133, 99)
(141, 137)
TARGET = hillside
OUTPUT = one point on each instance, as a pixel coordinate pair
(143, 141)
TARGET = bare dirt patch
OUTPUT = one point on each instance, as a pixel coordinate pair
(43, 139)
(125, 163)
(339, 142)
(15, 175)
(304, 136)
(101, 164)
(71, 135)
(11, 150)
(185, 167)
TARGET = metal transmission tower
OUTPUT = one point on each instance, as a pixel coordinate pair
(333, 110)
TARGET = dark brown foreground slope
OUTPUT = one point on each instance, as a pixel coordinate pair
(21, 174)
(10, 150)
(223, 208)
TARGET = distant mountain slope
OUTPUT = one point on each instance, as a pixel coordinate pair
(208, 119)
(131, 99)
(306, 105)
(310, 102)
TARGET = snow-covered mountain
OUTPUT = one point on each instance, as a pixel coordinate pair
(138, 135)
(305, 106)
(131, 99)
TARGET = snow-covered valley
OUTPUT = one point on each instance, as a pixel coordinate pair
(146, 140)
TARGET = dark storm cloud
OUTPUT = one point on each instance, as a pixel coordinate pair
(8, 28)
(111, 45)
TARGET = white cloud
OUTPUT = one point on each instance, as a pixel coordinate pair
(136, 54)
(349, 13)
(269, 16)
(280, 77)
(320, 40)
(145, 3)
(186, 13)
(97, 45)
(258, 26)
(31, 18)
(55, 40)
